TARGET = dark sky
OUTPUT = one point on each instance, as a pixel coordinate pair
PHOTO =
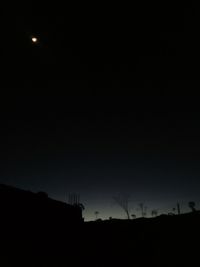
(105, 104)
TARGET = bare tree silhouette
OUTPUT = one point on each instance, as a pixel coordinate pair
(173, 211)
(123, 202)
(133, 216)
(154, 213)
(143, 209)
(192, 205)
(178, 209)
(96, 214)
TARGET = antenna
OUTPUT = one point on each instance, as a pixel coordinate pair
(74, 199)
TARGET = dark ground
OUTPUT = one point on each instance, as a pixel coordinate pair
(162, 241)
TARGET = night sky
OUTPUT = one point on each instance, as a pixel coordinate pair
(104, 103)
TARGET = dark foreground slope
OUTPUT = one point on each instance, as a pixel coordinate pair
(162, 241)
(35, 229)
(49, 238)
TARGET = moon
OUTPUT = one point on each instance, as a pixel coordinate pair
(34, 40)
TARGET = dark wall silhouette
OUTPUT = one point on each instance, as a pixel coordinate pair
(36, 230)
(20, 204)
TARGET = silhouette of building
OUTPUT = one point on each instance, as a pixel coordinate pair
(20, 208)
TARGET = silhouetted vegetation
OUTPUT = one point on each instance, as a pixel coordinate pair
(133, 216)
(154, 213)
(178, 208)
(39, 231)
(123, 202)
(143, 209)
(192, 205)
(96, 214)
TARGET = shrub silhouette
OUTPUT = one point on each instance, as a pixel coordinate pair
(154, 213)
(123, 202)
(133, 216)
(192, 205)
(143, 209)
(96, 214)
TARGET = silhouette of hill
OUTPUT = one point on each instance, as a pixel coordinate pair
(39, 231)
